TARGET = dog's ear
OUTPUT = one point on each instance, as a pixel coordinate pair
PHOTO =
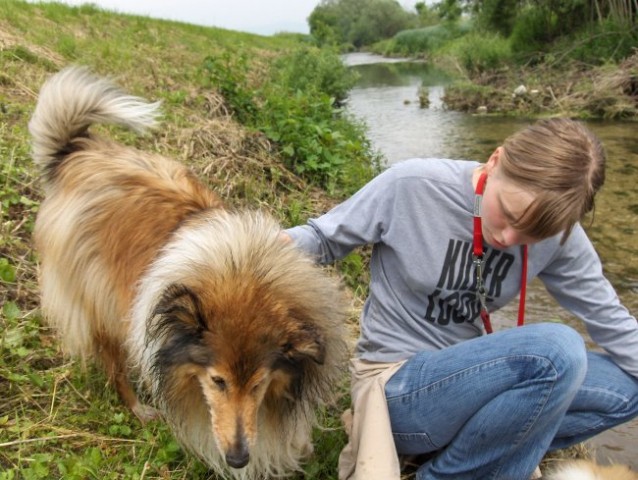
(307, 342)
(179, 324)
(180, 304)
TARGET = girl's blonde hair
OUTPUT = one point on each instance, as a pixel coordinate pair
(563, 164)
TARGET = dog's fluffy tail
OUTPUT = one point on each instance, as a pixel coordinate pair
(69, 103)
(589, 470)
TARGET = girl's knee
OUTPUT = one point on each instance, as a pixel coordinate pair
(565, 348)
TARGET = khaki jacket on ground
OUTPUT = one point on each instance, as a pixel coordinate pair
(370, 453)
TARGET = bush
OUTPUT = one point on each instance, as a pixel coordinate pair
(498, 15)
(481, 52)
(533, 30)
(601, 42)
(358, 22)
(295, 106)
(420, 41)
(228, 72)
(315, 69)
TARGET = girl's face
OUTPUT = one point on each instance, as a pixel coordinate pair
(503, 203)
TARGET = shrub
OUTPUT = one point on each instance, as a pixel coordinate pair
(424, 40)
(315, 69)
(420, 40)
(481, 52)
(359, 22)
(229, 73)
(296, 106)
(498, 15)
(533, 30)
(599, 43)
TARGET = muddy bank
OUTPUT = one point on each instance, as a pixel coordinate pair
(572, 89)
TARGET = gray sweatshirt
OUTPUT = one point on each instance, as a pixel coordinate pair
(418, 216)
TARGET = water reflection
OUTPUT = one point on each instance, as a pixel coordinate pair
(386, 99)
(399, 74)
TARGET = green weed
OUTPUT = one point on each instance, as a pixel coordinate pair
(295, 106)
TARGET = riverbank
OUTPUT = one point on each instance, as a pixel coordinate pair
(569, 89)
(57, 418)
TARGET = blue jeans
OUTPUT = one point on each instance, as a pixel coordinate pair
(493, 406)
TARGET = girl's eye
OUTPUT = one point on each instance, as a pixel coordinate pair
(219, 382)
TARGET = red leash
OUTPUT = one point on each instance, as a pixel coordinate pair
(479, 261)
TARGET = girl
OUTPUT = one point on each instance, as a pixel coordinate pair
(452, 242)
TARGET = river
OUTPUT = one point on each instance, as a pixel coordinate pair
(386, 99)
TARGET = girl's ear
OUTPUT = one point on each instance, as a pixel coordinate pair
(492, 163)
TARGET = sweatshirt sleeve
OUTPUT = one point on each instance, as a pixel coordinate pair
(575, 278)
(360, 220)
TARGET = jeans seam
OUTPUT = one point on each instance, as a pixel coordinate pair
(605, 391)
(533, 418)
(595, 427)
(474, 368)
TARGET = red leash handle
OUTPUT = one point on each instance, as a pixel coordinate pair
(477, 258)
(521, 300)
(478, 226)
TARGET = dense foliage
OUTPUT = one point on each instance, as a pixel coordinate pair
(592, 31)
(358, 22)
(298, 108)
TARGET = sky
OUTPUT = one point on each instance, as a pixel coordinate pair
(264, 17)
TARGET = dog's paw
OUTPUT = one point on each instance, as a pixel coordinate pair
(145, 413)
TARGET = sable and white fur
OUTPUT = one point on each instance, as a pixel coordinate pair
(233, 335)
(588, 470)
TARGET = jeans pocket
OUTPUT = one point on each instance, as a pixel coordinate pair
(413, 443)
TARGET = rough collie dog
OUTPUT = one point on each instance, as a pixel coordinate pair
(232, 335)
(588, 470)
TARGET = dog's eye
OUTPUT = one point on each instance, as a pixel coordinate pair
(219, 382)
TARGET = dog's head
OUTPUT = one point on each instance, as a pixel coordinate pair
(249, 353)
(233, 329)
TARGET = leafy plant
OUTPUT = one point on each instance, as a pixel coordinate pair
(315, 69)
(229, 73)
(296, 107)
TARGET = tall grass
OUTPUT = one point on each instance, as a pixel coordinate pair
(423, 41)
(478, 52)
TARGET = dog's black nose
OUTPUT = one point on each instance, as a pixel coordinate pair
(237, 459)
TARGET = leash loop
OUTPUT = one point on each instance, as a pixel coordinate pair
(479, 262)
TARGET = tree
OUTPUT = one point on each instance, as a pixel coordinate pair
(358, 22)
(427, 16)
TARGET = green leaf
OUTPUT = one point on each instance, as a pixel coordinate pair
(10, 311)
(7, 271)
(289, 150)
